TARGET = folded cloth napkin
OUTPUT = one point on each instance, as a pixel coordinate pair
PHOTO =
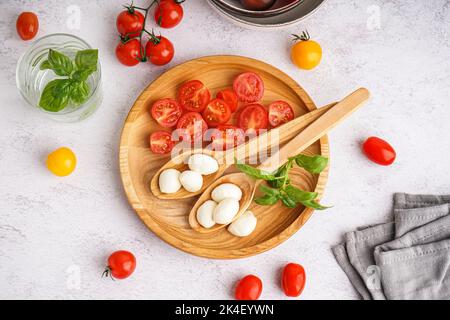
(408, 258)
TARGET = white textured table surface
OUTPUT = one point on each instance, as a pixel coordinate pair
(54, 231)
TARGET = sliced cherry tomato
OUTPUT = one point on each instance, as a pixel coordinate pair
(160, 51)
(217, 112)
(168, 13)
(253, 117)
(230, 97)
(227, 137)
(121, 264)
(194, 96)
(27, 25)
(161, 142)
(280, 112)
(379, 151)
(166, 112)
(249, 87)
(130, 23)
(129, 52)
(249, 288)
(293, 279)
(191, 126)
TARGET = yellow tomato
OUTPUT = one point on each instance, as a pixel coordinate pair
(306, 53)
(61, 162)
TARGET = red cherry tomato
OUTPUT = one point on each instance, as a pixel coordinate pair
(253, 117)
(129, 52)
(166, 112)
(194, 96)
(217, 112)
(27, 25)
(249, 288)
(379, 151)
(168, 13)
(293, 279)
(160, 51)
(227, 137)
(249, 87)
(121, 265)
(191, 126)
(280, 112)
(161, 142)
(229, 97)
(130, 23)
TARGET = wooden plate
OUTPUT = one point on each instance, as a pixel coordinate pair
(169, 218)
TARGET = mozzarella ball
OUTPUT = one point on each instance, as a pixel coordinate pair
(226, 190)
(205, 214)
(169, 181)
(226, 210)
(192, 181)
(203, 164)
(244, 225)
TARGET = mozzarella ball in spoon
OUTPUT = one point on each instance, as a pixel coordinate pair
(226, 190)
(169, 181)
(226, 210)
(205, 214)
(244, 225)
(192, 181)
(203, 164)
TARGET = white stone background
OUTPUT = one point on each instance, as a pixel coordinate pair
(51, 227)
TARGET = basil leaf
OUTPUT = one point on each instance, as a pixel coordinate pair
(266, 200)
(299, 195)
(254, 172)
(314, 164)
(87, 60)
(280, 174)
(288, 201)
(81, 75)
(269, 191)
(55, 96)
(59, 63)
(45, 65)
(80, 92)
(313, 204)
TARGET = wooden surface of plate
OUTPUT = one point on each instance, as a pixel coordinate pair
(168, 219)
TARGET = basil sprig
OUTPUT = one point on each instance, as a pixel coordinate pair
(279, 185)
(73, 87)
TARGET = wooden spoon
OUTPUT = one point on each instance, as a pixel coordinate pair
(304, 139)
(226, 158)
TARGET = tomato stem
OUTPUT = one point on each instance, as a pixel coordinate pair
(304, 36)
(107, 273)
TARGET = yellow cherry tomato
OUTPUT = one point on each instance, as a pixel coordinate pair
(61, 162)
(306, 53)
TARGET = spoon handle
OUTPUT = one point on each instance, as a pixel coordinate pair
(317, 129)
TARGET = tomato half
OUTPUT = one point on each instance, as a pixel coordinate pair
(191, 126)
(230, 97)
(194, 96)
(161, 142)
(293, 279)
(168, 13)
(121, 264)
(253, 117)
(249, 87)
(129, 52)
(227, 137)
(160, 51)
(249, 288)
(217, 112)
(27, 25)
(130, 23)
(379, 151)
(166, 112)
(280, 112)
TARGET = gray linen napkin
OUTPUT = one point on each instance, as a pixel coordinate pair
(408, 258)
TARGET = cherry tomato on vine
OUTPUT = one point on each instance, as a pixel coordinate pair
(160, 50)
(129, 53)
(169, 13)
(166, 112)
(306, 53)
(249, 288)
(230, 97)
(121, 265)
(27, 25)
(194, 96)
(293, 279)
(130, 23)
(216, 112)
(379, 151)
(280, 112)
(61, 162)
(161, 142)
